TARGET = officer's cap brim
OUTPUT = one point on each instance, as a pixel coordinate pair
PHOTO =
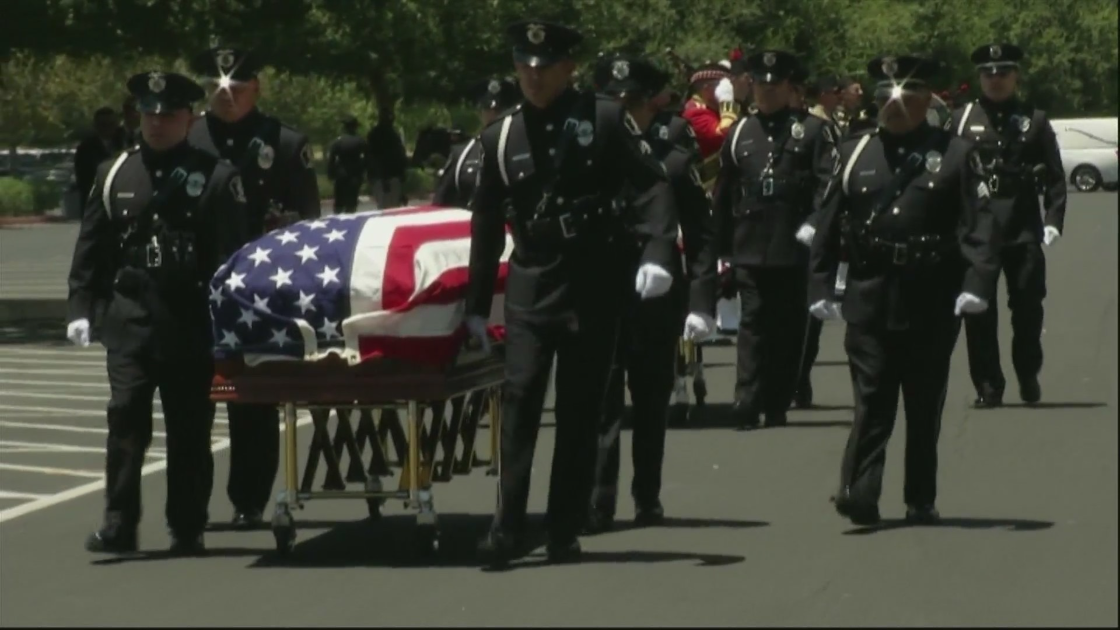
(537, 60)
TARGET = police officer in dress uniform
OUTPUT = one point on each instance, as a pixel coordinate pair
(904, 246)
(159, 221)
(457, 178)
(570, 174)
(647, 350)
(772, 164)
(275, 163)
(347, 158)
(1018, 147)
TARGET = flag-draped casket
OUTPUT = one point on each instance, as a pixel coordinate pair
(362, 286)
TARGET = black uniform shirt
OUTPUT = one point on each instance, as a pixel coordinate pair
(348, 158)
(459, 177)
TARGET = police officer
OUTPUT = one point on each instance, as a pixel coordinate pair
(347, 159)
(772, 165)
(852, 116)
(458, 176)
(651, 329)
(1019, 149)
(159, 221)
(275, 162)
(568, 171)
(904, 246)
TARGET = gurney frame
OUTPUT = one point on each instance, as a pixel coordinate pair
(456, 398)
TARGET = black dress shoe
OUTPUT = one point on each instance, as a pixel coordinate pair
(922, 515)
(188, 545)
(598, 522)
(246, 520)
(106, 541)
(649, 515)
(1030, 391)
(776, 419)
(860, 514)
(564, 550)
(745, 418)
(803, 399)
(988, 401)
(497, 549)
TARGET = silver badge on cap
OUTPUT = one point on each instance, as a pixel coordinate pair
(265, 157)
(494, 88)
(1024, 124)
(769, 59)
(933, 161)
(663, 132)
(890, 66)
(195, 183)
(535, 33)
(797, 131)
(156, 82)
(621, 69)
(995, 52)
(585, 133)
(224, 58)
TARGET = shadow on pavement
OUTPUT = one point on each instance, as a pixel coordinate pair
(1056, 405)
(721, 416)
(50, 332)
(1006, 524)
(689, 523)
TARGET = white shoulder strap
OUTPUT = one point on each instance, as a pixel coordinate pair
(503, 138)
(964, 117)
(463, 157)
(105, 190)
(852, 160)
(735, 139)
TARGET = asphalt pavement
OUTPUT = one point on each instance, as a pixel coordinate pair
(1029, 497)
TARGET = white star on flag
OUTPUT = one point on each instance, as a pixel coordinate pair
(229, 338)
(307, 253)
(288, 237)
(328, 275)
(247, 318)
(281, 278)
(329, 329)
(280, 337)
(317, 224)
(235, 281)
(216, 296)
(305, 302)
(260, 256)
(335, 235)
(260, 303)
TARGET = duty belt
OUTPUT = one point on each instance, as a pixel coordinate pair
(564, 226)
(916, 251)
(769, 190)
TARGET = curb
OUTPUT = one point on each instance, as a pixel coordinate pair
(15, 309)
(33, 220)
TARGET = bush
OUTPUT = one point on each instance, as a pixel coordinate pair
(17, 198)
(418, 184)
(47, 195)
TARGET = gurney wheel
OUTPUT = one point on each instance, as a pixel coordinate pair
(285, 539)
(426, 539)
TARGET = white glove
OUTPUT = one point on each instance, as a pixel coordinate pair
(805, 234)
(725, 92)
(698, 326)
(969, 304)
(1050, 235)
(476, 326)
(652, 281)
(825, 310)
(78, 332)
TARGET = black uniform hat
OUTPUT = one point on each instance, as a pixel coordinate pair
(620, 74)
(226, 61)
(160, 92)
(496, 93)
(348, 120)
(993, 58)
(905, 71)
(539, 43)
(772, 66)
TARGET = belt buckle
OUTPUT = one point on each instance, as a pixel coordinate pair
(993, 182)
(153, 254)
(566, 228)
(901, 253)
(767, 186)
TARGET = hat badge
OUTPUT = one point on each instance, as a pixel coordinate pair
(494, 88)
(890, 66)
(156, 82)
(535, 33)
(769, 59)
(995, 52)
(620, 70)
(224, 59)
(933, 161)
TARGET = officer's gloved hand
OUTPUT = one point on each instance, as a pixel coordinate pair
(476, 327)
(805, 234)
(78, 332)
(725, 92)
(652, 281)
(1050, 235)
(969, 304)
(825, 310)
(698, 326)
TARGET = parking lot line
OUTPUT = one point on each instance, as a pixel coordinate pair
(46, 470)
(8, 424)
(24, 496)
(4, 370)
(66, 411)
(92, 364)
(47, 447)
(4, 381)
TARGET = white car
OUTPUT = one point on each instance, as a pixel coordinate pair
(1089, 152)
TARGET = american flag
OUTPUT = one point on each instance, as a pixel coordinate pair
(366, 285)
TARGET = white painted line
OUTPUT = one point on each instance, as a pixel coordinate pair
(99, 485)
(6, 424)
(103, 385)
(72, 351)
(95, 373)
(220, 418)
(5, 494)
(51, 471)
(92, 364)
(47, 447)
(52, 396)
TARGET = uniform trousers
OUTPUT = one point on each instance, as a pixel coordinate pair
(254, 455)
(884, 363)
(771, 332)
(184, 390)
(1024, 269)
(346, 195)
(584, 355)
